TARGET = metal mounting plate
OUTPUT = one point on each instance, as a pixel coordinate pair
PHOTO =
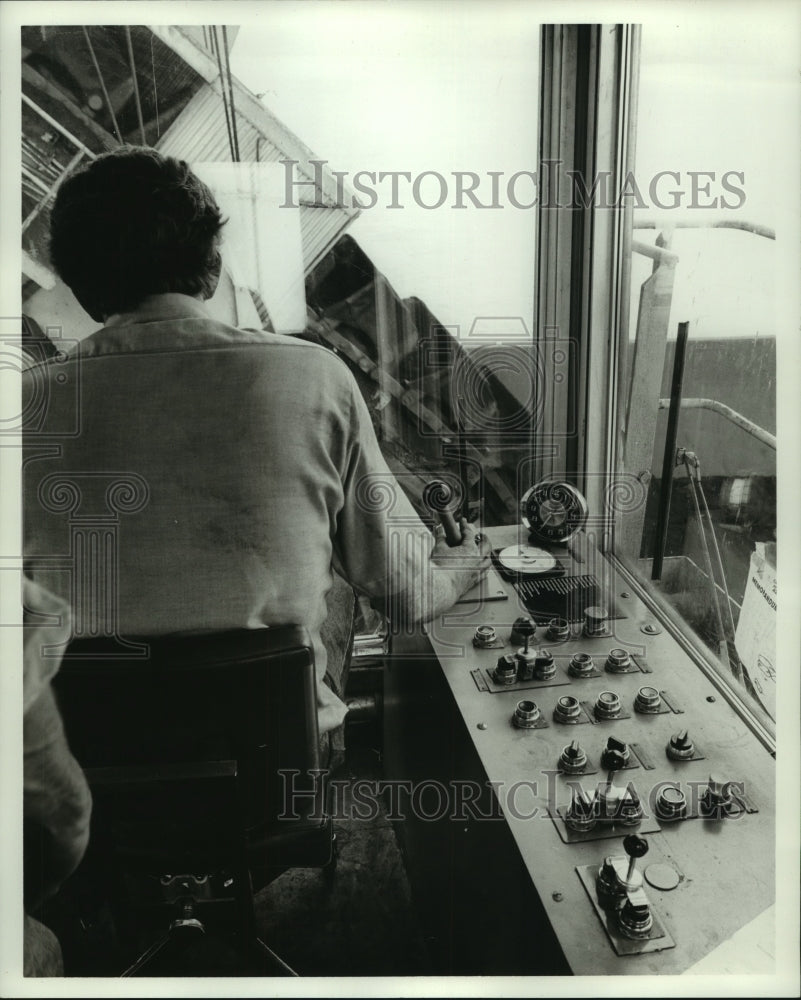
(658, 939)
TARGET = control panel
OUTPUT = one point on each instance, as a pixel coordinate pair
(640, 803)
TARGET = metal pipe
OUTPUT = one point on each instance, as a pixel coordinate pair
(222, 93)
(129, 43)
(654, 252)
(37, 208)
(722, 649)
(669, 456)
(58, 127)
(102, 83)
(726, 411)
(231, 93)
(35, 179)
(748, 227)
(733, 663)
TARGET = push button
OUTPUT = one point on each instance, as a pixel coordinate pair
(595, 618)
(581, 665)
(607, 705)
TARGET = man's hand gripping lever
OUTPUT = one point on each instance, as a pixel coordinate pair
(459, 547)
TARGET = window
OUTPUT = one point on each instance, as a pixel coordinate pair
(427, 116)
(698, 415)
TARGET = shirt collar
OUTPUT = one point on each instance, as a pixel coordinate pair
(167, 306)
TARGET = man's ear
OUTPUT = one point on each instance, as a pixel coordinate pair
(210, 286)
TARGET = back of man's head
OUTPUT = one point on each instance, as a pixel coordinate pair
(134, 223)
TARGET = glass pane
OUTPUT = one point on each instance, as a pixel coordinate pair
(705, 246)
(428, 115)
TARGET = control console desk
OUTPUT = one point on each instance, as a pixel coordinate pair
(578, 797)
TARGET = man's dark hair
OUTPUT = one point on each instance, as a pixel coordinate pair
(134, 223)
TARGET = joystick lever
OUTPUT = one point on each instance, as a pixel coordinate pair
(439, 498)
(636, 847)
(622, 896)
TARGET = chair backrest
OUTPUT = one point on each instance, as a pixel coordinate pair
(199, 710)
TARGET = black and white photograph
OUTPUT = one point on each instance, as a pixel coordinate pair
(399, 542)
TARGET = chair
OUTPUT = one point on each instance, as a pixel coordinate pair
(190, 753)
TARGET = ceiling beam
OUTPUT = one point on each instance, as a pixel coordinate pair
(56, 103)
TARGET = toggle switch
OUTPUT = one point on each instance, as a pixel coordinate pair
(521, 629)
(618, 661)
(607, 705)
(506, 670)
(629, 809)
(581, 665)
(582, 812)
(680, 746)
(622, 806)
(647, 700)
(595, 618)
(558, 630)
(616, 754)
(573, 759)
(717, 801)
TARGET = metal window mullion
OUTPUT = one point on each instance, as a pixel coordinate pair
(629, 94)
(587, 79)
(605, 308)
(554, 233)
(583, 288)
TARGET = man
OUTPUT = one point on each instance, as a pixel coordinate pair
(249, 459)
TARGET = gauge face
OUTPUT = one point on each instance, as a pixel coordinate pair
(526, 559)
(553, 511)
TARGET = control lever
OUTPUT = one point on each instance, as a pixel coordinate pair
(616, 879)
(614, 758)
(622, 805)
(526, 660)
(622, 902)
(634, 918)
(439, 497)
(636, 847)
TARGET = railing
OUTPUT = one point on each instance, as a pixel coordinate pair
(726, 411)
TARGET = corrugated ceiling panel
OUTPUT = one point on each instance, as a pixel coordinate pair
(320, 228)
(200, 134)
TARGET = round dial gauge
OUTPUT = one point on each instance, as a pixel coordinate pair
(553, 511)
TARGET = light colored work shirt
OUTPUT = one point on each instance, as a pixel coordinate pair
(182, 475)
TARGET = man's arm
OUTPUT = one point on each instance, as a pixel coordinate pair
(382, 546)
(57, 802)
(448, 574)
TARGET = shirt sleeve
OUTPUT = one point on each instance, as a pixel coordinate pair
(57, 801)
(381, 546)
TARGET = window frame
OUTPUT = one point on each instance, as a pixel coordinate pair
(588, 122)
